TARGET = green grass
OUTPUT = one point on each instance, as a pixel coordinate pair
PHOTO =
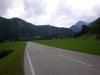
(12, 64)
(86, 44)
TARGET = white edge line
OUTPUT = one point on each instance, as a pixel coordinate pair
(77, 61)
(30, 64)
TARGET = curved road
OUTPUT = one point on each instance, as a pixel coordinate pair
(45, 60)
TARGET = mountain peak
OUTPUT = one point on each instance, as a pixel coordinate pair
(80, 23)
(77, 27)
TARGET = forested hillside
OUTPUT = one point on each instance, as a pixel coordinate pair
(18, 29)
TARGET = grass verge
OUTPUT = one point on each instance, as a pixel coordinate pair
(86, 44)
(12, 64)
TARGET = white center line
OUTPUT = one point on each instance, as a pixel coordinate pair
(30, 64)
(76, 60)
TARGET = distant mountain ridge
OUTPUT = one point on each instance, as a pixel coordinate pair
(77, 27)
(18, 29)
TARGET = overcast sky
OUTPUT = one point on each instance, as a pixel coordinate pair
(61, 13)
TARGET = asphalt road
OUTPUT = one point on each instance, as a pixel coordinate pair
(44, 60)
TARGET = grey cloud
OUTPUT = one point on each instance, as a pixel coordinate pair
(97, 10)
(91, 15)
(34, 7)
(4, 5)
(63, 13)
(64, 9)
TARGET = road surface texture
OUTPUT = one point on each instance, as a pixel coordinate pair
(45, 60)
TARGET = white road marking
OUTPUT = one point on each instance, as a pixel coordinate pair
(30, 64)
(76, 60)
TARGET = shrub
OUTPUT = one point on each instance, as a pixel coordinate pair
(4, 53)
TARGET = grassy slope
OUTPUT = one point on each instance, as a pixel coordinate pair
(82, 44)
(12, 64)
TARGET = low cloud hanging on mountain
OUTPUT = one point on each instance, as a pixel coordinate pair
(61, 13)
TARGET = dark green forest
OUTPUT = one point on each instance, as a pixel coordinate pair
(18, 29)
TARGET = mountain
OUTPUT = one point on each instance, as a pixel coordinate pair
(78, 26)
(18, 29)
(15, 28)
(48, 30)
(95, 27)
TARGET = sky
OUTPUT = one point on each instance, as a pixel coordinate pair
(60, 13)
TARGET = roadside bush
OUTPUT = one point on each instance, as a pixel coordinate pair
(4, 53)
